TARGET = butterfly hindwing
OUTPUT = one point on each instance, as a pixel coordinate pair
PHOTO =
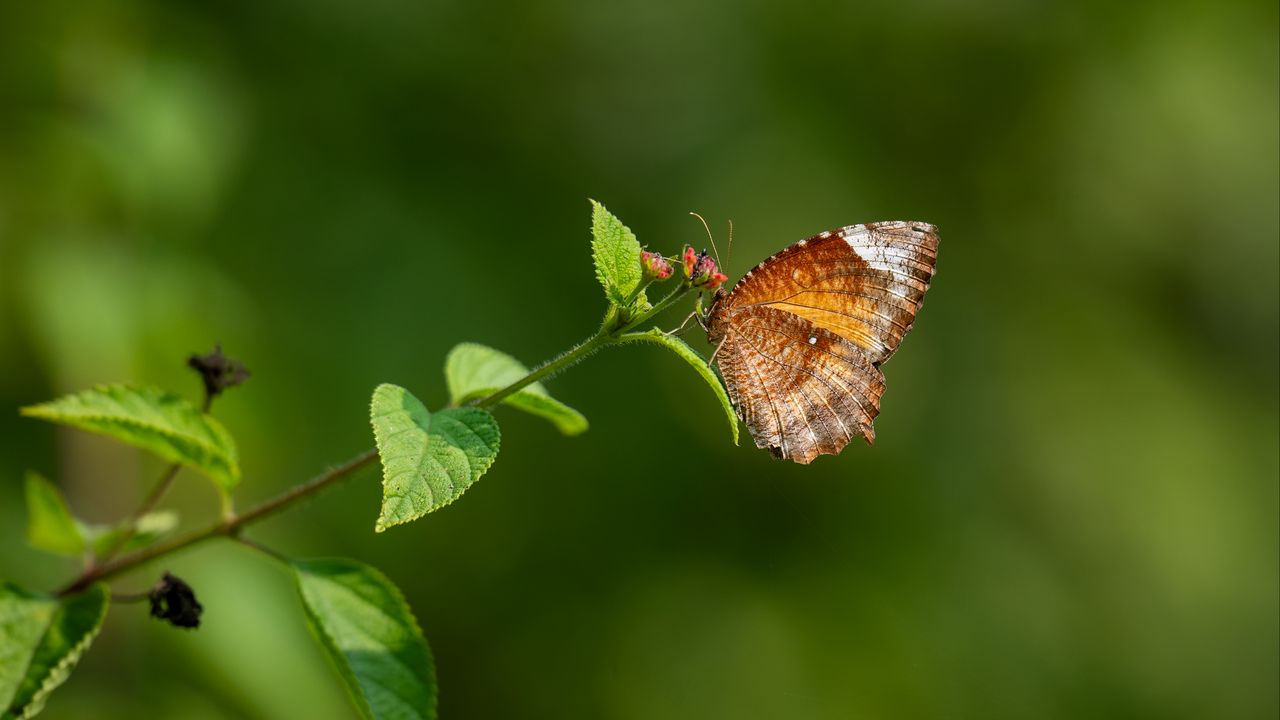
(802, 390)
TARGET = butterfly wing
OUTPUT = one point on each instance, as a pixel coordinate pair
(802, 390)
(804, 333)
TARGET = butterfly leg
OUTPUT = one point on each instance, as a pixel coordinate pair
(680, 329)
(717, 350)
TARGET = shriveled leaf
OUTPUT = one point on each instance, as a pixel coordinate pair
(41, 640)
(367, 629)
(678, 346)
(428, 460)
(148, 529)
(473, 371)
(153, 420)
(50, 525)
(617, 257)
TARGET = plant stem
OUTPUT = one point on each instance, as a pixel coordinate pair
(635, 293)
(547, 369)
(672, 298)
(579, 352)
(227, 527)
(130, 527)
(233, 522)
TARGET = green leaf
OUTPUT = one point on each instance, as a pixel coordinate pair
(474, 371)
(678, 346)
(41, 640)
(428, 460)
(368, 631)
(149, 528)
(50, 525)
(153, 420)
(617, 256)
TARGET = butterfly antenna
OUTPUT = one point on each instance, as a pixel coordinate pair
(708, 229)
(729, 257)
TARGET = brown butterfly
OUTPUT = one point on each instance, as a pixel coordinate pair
(800, 339)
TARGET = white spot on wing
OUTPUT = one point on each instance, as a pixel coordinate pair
(813, 340)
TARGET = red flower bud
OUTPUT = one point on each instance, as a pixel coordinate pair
(655, 266)
(717, 278)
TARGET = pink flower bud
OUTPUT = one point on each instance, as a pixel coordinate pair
(655, 266)
(705, 274)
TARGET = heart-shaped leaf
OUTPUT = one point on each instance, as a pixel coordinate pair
(153, 420)
(473, 371)
(428, 460)
(368, 631)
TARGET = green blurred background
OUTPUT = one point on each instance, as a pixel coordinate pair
(1071, 507)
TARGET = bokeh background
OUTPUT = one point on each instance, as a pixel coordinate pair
(1071, 508)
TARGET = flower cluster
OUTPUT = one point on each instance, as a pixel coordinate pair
(700, 270)
(655, 266)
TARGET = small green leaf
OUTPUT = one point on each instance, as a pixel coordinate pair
(148, 529)
(41, 640)
(617, 256)
(368, 631)
(428, 460)
(473, 371)
(50, 525)
(678, 346)
(153, 420)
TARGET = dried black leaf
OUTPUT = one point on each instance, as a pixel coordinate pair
(174, 601)
(218, 371)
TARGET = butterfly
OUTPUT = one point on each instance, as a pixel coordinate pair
(801, 337)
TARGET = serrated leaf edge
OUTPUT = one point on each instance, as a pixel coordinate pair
(379, 524)
(42, 411)
(58, 674)
(613, 294)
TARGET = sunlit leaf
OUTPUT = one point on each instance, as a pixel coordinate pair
(678, 346)
(154, 420)
(367, 629)
(41, 640)
(428, 460)
(473, 371)
(50, 525)
(617, 257)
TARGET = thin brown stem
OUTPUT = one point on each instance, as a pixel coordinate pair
(130, 527)
(227, 527)
(269, 552)
(233, 522)
(548, 369)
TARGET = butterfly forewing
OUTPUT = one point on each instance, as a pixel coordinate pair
(802, 335)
